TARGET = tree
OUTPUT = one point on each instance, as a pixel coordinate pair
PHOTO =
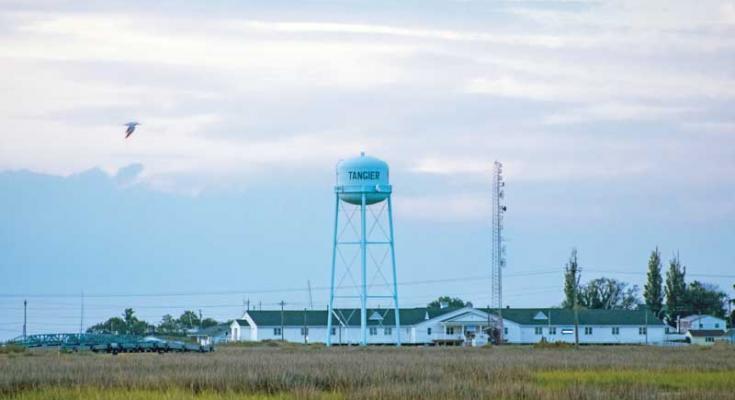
(169, 326)
(207, 322)
(134, 325)
(572, 274)
(652, 292)
(454, 302)
(608, 294)
(129, 324)
(189, 320)
(114, 325)
(675, 290)
(702, 298)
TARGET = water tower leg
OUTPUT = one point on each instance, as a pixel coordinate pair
(395, 279)
(363, 264)
(330, 309)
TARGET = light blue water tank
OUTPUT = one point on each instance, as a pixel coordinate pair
(363, 174)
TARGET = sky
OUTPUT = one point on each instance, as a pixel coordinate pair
(613, 120)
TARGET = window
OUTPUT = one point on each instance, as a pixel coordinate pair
(587, 330)
(505, 331)
(450, 330)
(304, 331)
(388, 331)
(709, 339)
(700, 325)
(538, 330)
(615, 330)
(428, 331)
(642, 330)
(276, 331)
(717, 325)
(373, 331)
(552, 330)
(334, 331)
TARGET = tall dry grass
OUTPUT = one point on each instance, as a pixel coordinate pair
(498, 372)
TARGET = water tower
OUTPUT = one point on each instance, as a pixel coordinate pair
(363, 239)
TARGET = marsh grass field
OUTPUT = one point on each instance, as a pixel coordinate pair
(289, 372)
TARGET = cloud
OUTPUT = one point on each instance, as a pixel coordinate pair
(230, 98)
(149, 39)
(616, 112)
(443, 208)
(129, 174)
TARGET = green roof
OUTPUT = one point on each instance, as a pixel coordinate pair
(413, 316)
(563, 316)
(348, 316)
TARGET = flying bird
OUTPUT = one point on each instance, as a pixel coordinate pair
(131, 128)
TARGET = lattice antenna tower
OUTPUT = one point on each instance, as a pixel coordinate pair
(498, 248)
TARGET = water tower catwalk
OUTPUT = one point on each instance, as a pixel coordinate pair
(363, 236)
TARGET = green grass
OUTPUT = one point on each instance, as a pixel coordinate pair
(286, 371)
(172, 394)
(660, 379)
(12, 349)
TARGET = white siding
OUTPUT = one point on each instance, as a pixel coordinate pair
(419, 333)
(239, 332)
(708, 322)
(600, 334)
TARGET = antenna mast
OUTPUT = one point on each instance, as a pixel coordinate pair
(498, 250)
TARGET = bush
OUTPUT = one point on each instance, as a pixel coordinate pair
(544, 344)
(12, 348)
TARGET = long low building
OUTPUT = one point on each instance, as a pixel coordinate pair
(429, 326)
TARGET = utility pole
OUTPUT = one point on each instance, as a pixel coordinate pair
(81, 319)
(306, 332)
(576, 313)
(489, 325)
(25, 319)
(311, 300)
(498, 250)
(282, 303)
(200, 319)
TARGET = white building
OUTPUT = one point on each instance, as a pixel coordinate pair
(701, 322)
(706, 337)
(428, 326)
(703, 329)
(212, 335)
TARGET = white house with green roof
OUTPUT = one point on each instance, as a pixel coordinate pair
(430, 326)
(531, 325)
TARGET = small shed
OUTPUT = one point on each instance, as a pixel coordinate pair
(706, 337)
(212, 335)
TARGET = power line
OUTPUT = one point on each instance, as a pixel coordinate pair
(644, 273)
(262, 291)
(102, 314)
(555, 270)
